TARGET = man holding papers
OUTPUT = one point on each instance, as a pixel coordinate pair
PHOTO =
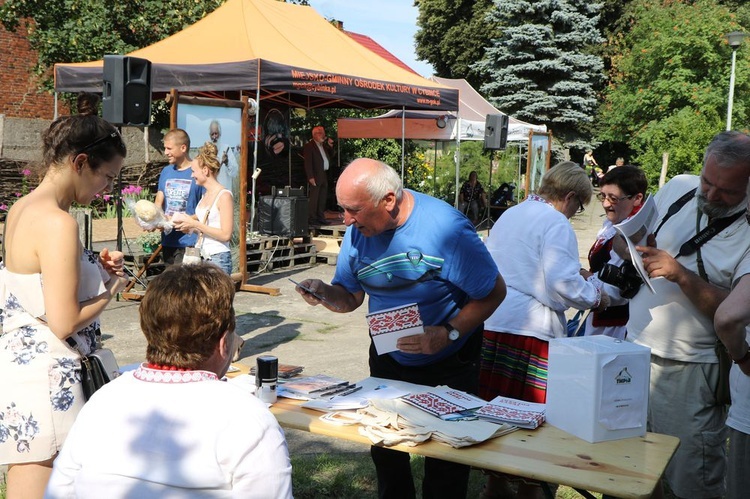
(402, 247)
(702, 247)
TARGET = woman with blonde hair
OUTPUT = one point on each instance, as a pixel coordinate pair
(214, 215)
(536, 252)
(52, 291)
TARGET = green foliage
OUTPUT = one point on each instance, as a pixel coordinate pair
(684, 135)
(473, 158)
(542, 69)
(669, 62)
(85, 30)
(669, 85)
(452, 35)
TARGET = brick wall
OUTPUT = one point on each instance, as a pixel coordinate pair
(19, 95)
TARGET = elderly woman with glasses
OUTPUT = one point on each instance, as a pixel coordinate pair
(535, 249)
(623, 192)
(52, 291)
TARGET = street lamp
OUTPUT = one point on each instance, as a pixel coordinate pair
(735, 40)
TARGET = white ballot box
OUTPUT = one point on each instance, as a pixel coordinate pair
(597, 387)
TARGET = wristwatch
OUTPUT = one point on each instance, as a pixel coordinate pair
(453, 333)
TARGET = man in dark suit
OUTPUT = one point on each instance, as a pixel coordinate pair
(318, 155)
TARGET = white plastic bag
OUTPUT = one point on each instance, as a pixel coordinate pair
(148, 215)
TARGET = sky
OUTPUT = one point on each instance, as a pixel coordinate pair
(391, 23)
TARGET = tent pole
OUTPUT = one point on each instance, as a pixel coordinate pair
(434, 170)
(457, 157)
(518, 189)
(403, 141)
(289, 133)
(256, 172)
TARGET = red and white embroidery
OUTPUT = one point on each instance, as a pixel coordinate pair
(144, 373)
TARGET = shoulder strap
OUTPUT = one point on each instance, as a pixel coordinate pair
(676, 207)
(709, 231)
(199, 242)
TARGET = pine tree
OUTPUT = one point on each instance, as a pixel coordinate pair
(542, 69)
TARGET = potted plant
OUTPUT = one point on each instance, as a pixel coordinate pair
(149, 241)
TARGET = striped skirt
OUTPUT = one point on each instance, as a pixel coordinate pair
(513, 366)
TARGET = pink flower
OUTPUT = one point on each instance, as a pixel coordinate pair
(4, 207)
(26, 172)
(106, 197)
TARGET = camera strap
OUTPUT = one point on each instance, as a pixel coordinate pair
(709, 231)
(675, 207)
(701, 237)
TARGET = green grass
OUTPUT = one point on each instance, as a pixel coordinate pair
(333, 476)
(353, 475)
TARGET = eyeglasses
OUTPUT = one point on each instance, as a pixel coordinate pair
(580, 206)
(114, 135)
(609, 197)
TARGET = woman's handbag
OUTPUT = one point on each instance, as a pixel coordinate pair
(576, 326)
(97, 369)
(192, 255)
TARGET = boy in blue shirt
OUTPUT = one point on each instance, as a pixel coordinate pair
(178, 193)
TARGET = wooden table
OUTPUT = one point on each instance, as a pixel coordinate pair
(628, 468)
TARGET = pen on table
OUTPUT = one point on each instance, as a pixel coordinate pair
(349, 391)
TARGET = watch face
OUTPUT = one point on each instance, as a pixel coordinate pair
(453, 335)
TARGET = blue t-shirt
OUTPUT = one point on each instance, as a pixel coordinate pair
(181, 195)
(435, 260)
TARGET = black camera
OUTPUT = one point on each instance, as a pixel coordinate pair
(625, 277)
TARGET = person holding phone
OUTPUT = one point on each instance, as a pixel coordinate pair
(396, 251)
(52, 291)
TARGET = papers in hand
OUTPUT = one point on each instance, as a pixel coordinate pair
(512, 411)
(635, 230)
(387, 326)
(442, 401)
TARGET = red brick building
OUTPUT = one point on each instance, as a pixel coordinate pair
(20, 96)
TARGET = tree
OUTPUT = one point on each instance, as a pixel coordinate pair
(541, 68)
(84, 30)
(668, 90)
(452, 35)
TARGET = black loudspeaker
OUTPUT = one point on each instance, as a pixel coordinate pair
(496, 131)
(126, 97)
(283, 216)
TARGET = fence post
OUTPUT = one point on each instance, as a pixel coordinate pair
(85, 225)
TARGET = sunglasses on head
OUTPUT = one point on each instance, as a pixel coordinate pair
(114, 135)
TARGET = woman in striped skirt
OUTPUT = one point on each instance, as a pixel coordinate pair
(536, 251)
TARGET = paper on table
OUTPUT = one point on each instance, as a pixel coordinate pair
(635, 230)
(357, 400)
(387, 326)
(442, 400)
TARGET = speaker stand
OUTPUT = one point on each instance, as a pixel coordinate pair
(487, 222)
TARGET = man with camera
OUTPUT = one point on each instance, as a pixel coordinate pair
(700, 249)
(622, 194)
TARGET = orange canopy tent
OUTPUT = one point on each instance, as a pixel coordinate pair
(284, 52)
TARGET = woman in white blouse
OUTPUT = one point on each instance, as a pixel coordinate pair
(214, 215)
(536, 252)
